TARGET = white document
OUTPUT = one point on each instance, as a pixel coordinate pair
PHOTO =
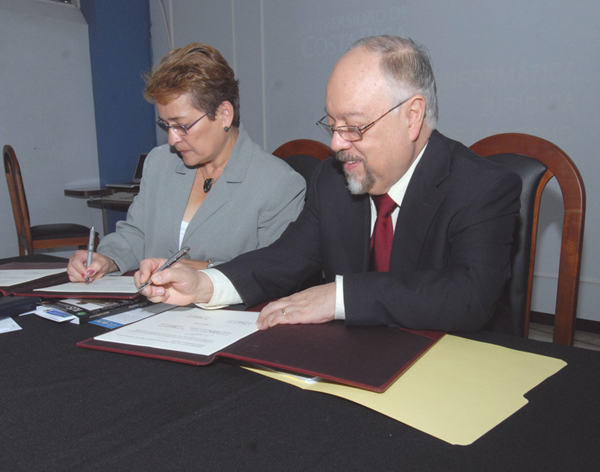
(131, 316)
(114, 284)
(54, 314)
(7, 325)
(186, 329)
(20, 276)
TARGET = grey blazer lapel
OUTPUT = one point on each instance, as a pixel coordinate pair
(179, 194)
(218, 196)
(223, 190)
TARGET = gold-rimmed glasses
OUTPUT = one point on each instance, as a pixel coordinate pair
(353, 133)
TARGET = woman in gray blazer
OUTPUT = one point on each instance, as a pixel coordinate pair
(210, 188)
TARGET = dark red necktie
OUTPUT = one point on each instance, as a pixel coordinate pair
(383, 233)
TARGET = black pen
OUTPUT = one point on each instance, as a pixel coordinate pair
(166, 265)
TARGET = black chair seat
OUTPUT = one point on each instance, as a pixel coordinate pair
(59, 231)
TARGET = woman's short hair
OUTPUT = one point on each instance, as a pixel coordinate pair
(200, 71)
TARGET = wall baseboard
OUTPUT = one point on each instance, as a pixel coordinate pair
(588, 326)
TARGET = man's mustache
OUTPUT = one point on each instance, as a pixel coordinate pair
(344, 156)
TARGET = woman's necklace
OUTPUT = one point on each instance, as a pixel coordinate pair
(208, 183)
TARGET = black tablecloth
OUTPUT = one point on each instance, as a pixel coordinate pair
(67, 408)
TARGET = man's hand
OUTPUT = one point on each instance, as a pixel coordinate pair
(198, 265)
(311, 306)
(177, 285)
(100, 266)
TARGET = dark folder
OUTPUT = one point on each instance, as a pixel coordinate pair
(14, 306)
(27, 289)
(365, 357)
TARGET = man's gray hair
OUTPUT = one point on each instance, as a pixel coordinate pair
(407, 67)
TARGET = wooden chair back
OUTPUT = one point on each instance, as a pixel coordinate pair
(506, 148)
(18, 199)
(30, 237)
(303, 146)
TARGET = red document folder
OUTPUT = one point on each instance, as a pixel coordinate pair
(27, 289)
(365, 357)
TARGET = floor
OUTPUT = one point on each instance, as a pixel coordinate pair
(541, 332)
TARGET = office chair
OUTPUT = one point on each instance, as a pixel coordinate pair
(537, 161)
(303, 155)
(46, 236)
(303, 146)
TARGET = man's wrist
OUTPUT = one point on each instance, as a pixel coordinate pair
(340, 310)
(205, 289)
(222, 291)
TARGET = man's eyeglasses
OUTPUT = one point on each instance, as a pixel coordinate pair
(180, 130)
(352, 133)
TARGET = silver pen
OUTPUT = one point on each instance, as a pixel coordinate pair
(166, 265)
(90, 250)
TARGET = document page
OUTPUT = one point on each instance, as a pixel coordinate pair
(7, 325)
(187, 329)
(131, 316)
(114, 284)
(20, 276)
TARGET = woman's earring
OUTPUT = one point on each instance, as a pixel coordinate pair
(226, 128)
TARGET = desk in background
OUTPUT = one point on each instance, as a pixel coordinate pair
(105, 199)
(66, 408)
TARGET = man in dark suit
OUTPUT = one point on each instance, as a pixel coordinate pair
(452, 215)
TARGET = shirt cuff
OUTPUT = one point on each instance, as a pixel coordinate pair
(224, 293)
(340, 310)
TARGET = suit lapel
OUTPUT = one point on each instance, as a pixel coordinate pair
(358, 235)
(420, 205)
(345, 221)
(178, 194)
(219, 195)
(222, 191)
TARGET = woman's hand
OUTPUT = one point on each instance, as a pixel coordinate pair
(100, 266)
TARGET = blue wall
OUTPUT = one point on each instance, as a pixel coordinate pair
(120, 50)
